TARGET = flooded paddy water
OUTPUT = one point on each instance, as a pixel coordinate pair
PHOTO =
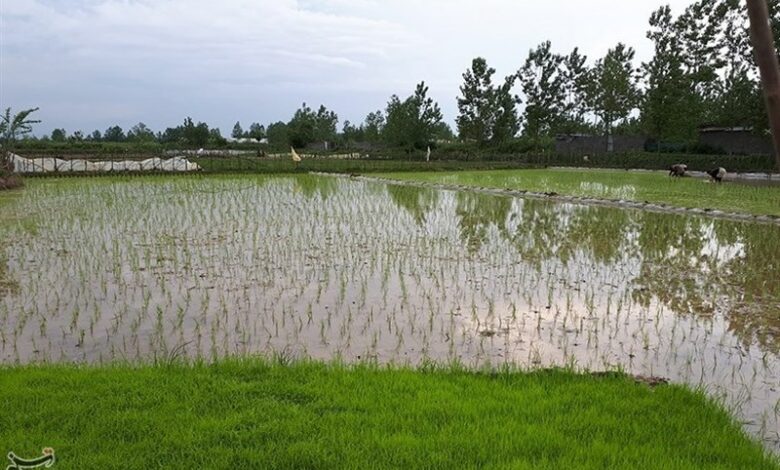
(105, 269)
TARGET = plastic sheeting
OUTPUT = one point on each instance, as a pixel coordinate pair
(50, 165)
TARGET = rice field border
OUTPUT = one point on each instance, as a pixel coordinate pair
(583, 200)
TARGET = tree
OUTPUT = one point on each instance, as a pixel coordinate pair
(140, 133)
(256, 131)
(476, 105)
(506, 123)
(114, 134)
(325, 125)
(410, 123)
(575, 81)
(543, 82)
(215, 137)
(196, 135)
(238, 132)
(352, 133)
(77, 136)
(374, 125)
(96, 136)
(612, 90)
(307, 127)
(302, 127)
(443, 131)
(278, 135)
(12, 128)
(669, 103)
(58, 135)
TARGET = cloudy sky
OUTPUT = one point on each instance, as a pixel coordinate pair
(89, 64)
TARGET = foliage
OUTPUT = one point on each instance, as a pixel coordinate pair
(278, 136)
(114, 134)
(11, 129)
(307, 126)
(411, 123)
(611, 92)
(487, 112)
(544, 86)
(238, 132)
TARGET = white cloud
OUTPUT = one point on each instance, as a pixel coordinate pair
(89, 64)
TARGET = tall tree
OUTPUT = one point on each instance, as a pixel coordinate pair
(575, 80)
(238, 132)
(140, 133)
(58, 135)
(410, 123)
(669, 103)
(543, 82)
(114, 134)
(476, 105)
(506, 123)
(278, 135)
(374, 125)
(487, 112)
(256, 131)
(612, 88)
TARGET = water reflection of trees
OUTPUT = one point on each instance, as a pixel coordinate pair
(310, 186)
(417, 201)
(693, 265)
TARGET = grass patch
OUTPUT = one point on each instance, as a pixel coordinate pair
(252, 414)
(616, 184)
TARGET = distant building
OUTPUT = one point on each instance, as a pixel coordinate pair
(735, 140)
(580, 144)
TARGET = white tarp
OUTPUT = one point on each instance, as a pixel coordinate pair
(47, 165)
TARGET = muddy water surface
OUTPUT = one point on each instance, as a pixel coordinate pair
(105, 269)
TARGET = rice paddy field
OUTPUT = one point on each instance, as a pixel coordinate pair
(141, 269)
(641, 186)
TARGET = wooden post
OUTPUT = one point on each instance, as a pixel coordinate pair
(766, 57)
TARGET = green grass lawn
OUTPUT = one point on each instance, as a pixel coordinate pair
(655, 187)
(249, 414)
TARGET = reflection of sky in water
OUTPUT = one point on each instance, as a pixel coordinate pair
(329, 267)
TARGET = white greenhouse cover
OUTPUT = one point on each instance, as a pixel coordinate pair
(46, 165)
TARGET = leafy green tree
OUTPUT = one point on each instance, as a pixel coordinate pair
(612, 91)
(278, 135)
(352, 133)
(443, 131)
(669, 107)
(575, 81)
(476, 105)
(140, 133)
(114, 134)
(302, 127)
(487, 112)
(96, 136)
(196, 135)
(58, 135)
(325, 125)
(410, 123)
(77, 136)
(543, 82)
(256, 131)
(506, 123)
(373, 126)
(238, 132)
(215, 137)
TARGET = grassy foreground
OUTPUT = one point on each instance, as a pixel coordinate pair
(655, 187)
(250, 414)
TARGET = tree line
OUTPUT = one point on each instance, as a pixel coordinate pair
(702, 72)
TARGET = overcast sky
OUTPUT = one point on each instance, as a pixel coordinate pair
(89, 64)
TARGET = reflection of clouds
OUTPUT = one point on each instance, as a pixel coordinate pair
(336, 267)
